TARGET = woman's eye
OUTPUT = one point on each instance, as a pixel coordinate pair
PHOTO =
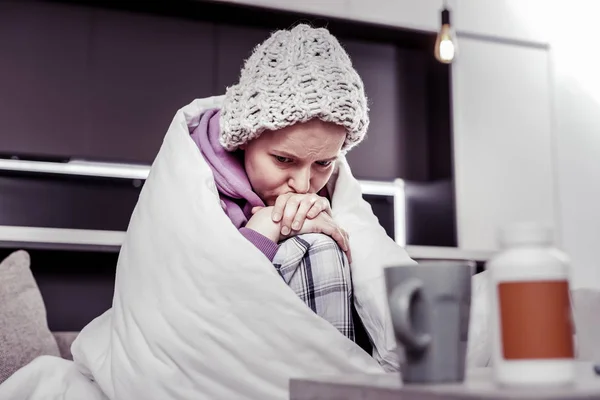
(324, 163)
(283, 160)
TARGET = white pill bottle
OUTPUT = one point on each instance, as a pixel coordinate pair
(531, 320)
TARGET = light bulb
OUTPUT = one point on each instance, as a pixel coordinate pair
(445, 43)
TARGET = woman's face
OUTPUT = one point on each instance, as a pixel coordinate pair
(296, 159)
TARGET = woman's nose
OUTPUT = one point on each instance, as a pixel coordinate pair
(300, 181)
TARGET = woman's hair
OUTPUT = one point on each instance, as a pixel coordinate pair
(294, 76)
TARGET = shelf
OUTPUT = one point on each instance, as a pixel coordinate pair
(448, 253)
(77, 168)
(82, 168)
(110, 241)
(60, 239)
(102, 240)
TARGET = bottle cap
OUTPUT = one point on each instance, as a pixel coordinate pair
(525, 233)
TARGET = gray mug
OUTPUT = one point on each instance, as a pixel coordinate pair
(430, 307)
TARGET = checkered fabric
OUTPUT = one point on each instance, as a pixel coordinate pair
(318, 271)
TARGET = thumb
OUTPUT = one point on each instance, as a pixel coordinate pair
(256, 209)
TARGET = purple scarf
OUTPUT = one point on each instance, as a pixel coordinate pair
(233, 185)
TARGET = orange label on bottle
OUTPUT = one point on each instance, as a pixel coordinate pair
(535, 320)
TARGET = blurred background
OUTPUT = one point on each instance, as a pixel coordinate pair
(483, 115)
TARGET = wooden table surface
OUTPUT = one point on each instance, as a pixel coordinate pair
(478, 385)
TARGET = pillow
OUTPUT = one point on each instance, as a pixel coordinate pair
(24, 333)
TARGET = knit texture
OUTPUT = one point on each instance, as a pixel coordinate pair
(294, 76)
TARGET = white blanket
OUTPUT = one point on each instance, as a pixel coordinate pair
(49, 378)
(200, 313)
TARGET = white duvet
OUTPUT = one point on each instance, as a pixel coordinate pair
(200, 313)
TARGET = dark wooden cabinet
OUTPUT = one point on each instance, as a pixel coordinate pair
(44, 55)
(233, 46)
(143, 69)
(79, 82)
(102, 81)
(414, 125)
(104, 84)
(398, 83)
(66, 202)
(377, 156)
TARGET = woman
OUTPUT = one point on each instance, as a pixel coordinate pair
(273, 145)
(197, 311)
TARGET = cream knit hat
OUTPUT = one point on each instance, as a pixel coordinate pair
(292, 77)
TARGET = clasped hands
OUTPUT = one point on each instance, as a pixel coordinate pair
(294, 214)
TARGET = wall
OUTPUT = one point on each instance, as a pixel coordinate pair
(574, 91)
(502, 114)
(570, 30)
(566, 168)
(514, 19)
(577, 129)
(420, 15)
(104, 84)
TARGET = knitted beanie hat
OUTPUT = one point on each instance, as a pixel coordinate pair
(294, 76)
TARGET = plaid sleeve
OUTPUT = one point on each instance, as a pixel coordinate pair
(318, 272)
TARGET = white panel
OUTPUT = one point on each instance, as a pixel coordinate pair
(421, 14)
(502, 139)
(578, 165)
(525, 20)
(334, 8)
(577, 94)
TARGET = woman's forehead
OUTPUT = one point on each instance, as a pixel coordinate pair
(312, 131)
(309, 139)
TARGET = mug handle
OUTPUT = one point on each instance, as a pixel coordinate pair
(400, 300)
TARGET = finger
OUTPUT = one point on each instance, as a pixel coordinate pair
(279, 206)
(321, 205)
(340, 239)
(346, 241)
(327, 227)
(305, 206)
(349, 252)
(349, 256)
(326, 205)
(291, 208)
(346, 235)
